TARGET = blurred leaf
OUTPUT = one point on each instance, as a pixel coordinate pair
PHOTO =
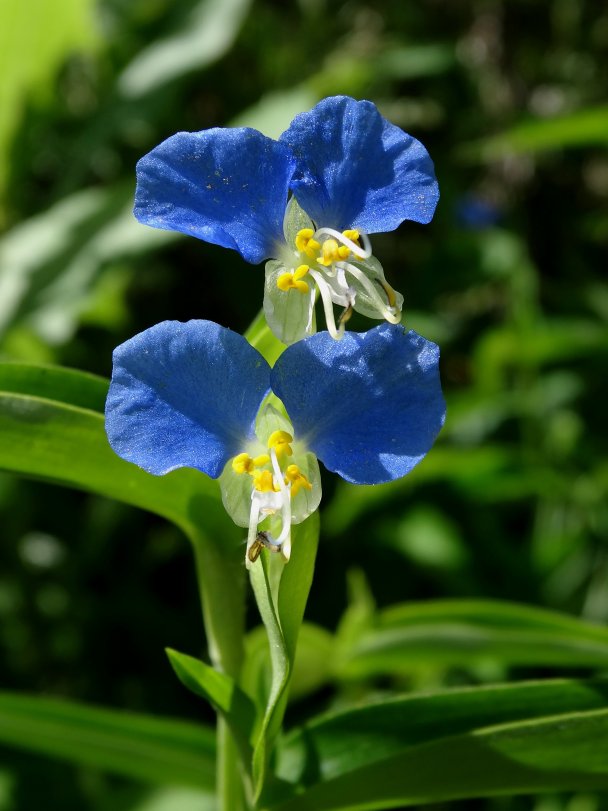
(206, 36)
(582, 128)
(137, 746)
(176, 799)
(281, 592)
(35, 39)
(547, 341)
(48, 287)
(222, 693)
(502, 739)
(465, 632)
(273, 113)
(414, 61)
(462, 467)
(428, 538)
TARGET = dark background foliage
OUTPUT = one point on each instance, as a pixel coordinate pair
(509, 278)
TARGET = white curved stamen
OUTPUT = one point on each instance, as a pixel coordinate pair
(254, 517)
(361, 253)
(391, 314)
(311, 310)
(279, 480)
(328, 307)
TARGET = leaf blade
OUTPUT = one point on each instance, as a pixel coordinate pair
(388, 753)
(138, 746)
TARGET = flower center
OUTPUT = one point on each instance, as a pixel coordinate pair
(327, 258)
(272, 488)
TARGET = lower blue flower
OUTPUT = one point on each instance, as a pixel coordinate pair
(198, 395)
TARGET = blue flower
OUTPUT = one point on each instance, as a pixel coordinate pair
(198, 395)
(306, 202)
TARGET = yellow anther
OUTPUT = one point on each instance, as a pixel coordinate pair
(243, 463)
(306, 244)
(293, 281)
(332, 252)
(281, 442)
(263, 481)
(295, 477)
(329, 252)
(352, 234)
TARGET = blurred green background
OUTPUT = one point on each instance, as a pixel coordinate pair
(509, 278)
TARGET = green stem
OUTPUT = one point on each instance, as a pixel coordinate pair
(221, 582)
(221, 579)
(229, 783)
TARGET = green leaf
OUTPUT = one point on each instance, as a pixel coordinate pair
(470, 742)
(466, 632)
(281, 591)
(579, 129)
(262, 339)
(222, 692)
(158, 750)
(206, 36)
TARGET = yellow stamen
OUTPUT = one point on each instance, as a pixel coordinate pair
(306, 244)
(295, 477)
(329, 253)
(293, 281)
(243, 463)
(280, 441)
(263, 481)
(332, 251)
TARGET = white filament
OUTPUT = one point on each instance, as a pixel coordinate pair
(391, 314)
(362, 253)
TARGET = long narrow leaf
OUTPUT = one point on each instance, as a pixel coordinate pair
(455, 743)
(222, 693)
(463, 632)
(137, 746)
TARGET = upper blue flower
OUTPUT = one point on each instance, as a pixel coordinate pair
(347, 166)
(346, 171)
(187, 395)
(357, 170)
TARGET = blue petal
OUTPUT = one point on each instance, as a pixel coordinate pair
(370, 405)
(225, 186)
(184, 395)
(357, 170)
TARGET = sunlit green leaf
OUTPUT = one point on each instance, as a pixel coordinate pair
(582, 128)
(35, 39)
(206, 36)
(75, 239)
